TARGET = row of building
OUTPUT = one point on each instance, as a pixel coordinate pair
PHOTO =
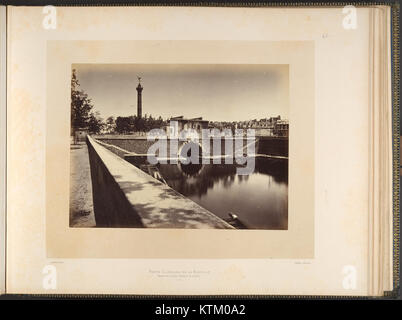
(274, 126)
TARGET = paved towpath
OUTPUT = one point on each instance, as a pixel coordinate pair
(81, 203)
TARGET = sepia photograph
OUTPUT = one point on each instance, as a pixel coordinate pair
(196, 146)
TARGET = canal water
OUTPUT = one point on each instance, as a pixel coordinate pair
(259, 200)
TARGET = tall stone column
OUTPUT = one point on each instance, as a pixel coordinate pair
(139, 98)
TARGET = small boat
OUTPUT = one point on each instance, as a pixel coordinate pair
(235, 221)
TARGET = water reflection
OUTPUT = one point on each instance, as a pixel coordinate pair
(260, 199)
(190, 170)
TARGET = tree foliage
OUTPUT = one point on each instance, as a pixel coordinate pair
(136, 124)
(82, 114)
(124, 124)
(95, 123)
(110, 125)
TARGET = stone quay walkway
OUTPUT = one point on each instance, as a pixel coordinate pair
(81, 201)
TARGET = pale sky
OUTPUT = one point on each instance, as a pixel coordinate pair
(214, 92)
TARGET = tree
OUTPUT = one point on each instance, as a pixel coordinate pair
(81, 106)
(95, 123)
(110, 126)
(125, 124)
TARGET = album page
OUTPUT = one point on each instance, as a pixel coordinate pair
(179, 150)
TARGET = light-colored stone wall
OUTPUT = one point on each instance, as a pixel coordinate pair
(125, 196)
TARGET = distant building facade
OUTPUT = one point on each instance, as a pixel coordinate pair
(281, 128)
(178, 124)
(273, 126)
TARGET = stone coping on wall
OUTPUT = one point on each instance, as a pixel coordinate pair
(125, 153)
(158, 205)
(144, 137)
(120, 136)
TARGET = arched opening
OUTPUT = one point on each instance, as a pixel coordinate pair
(190, 153)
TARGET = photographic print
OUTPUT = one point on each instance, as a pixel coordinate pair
(198, 146)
